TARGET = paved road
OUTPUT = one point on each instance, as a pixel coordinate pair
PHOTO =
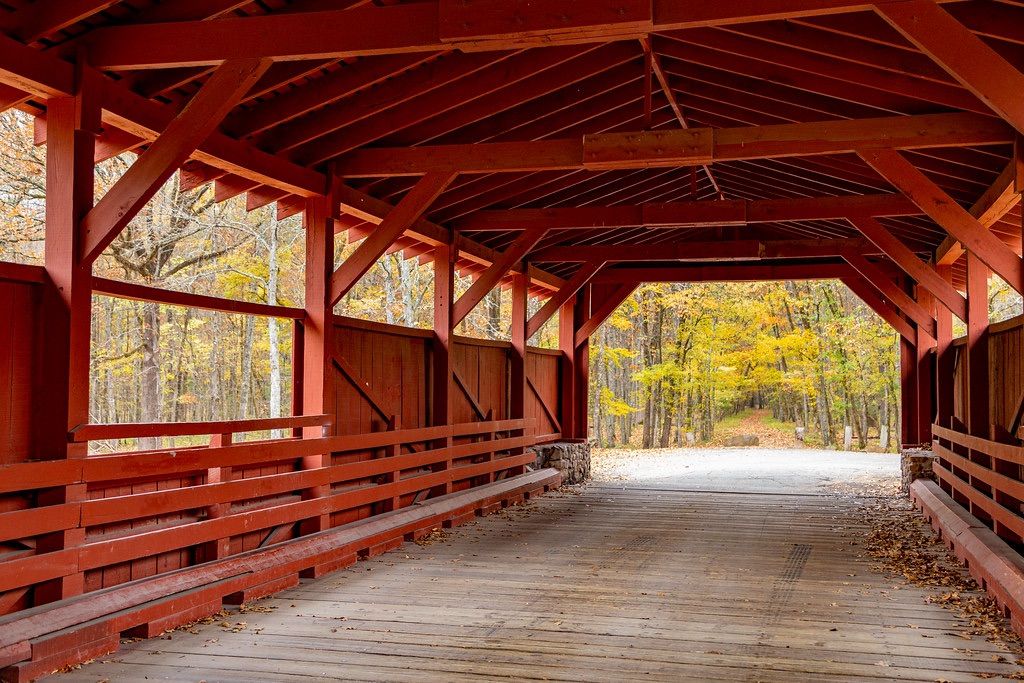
(751, 470)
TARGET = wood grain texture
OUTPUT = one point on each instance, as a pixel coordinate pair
(614, 584)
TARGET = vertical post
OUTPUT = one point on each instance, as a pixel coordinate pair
(976, 397)
(945, 358)
(298, 371)
(582, 366)
(72, 124)
(977, 407)
(924, 372)
(221, 547)
(567, 381)
(441, 386)
(575, 365)
(908, 394)
(517, 358)
(318, 395)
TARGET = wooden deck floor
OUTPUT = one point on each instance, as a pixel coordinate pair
(614, 584)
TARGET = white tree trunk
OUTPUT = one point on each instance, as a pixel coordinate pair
(272, 330)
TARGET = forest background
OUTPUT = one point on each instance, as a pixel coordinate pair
(671, 364)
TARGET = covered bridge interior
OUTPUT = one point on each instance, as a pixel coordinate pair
(565, 150)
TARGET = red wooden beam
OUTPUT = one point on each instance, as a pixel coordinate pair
(953, 218)
(517, 357)
(562, 296)
(945, 357)
(603, 311)
(481, 25)
(924, 274)
(721, 250)
(66, 311)
(891, 291)
(670, 95)
(36, 21)
(996, 202)
(163, 157)
(128, 290)
(396, 222)
(441, 349)
(868, 294)
(318, 345)
(696, 146)
(699, 213)
(373, 210)
(976, 409)
(963, 54)
(730, 273)
(497, 270)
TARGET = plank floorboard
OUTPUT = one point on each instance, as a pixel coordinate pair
(613, 584)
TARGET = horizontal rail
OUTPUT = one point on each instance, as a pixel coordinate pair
(985, 473)
(129, 290)
(1010, 453)
(138, 430)
(19, 272)
(180, 515)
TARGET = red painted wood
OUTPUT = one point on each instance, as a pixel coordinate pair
(182, 136)
(977, 366)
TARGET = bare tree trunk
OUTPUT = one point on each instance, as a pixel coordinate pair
(149, 403)
(272, 329)
(246, 383)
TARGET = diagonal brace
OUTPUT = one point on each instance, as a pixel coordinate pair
(189, 129)
(397, 221)
(901, 255)
(566, 292)
(887, 288)
(497, 270)
(944, 210)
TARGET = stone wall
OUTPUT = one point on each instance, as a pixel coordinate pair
(915, 463)
(571, 458)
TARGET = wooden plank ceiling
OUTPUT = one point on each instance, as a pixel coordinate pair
(312, 111)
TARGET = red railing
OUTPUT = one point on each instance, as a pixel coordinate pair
(983, 476)
(152, 511)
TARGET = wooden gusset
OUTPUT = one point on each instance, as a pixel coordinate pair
(891, 291)
(396, 222)
(673, 148)
(564, 294)
(966, 57)
(351, 373)
(497, 270)
(868, 294)
(464, 388)
(603, 311)
(944, 210)
(998, 200)
(730, 212)
(167, 153)
(924, 274)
